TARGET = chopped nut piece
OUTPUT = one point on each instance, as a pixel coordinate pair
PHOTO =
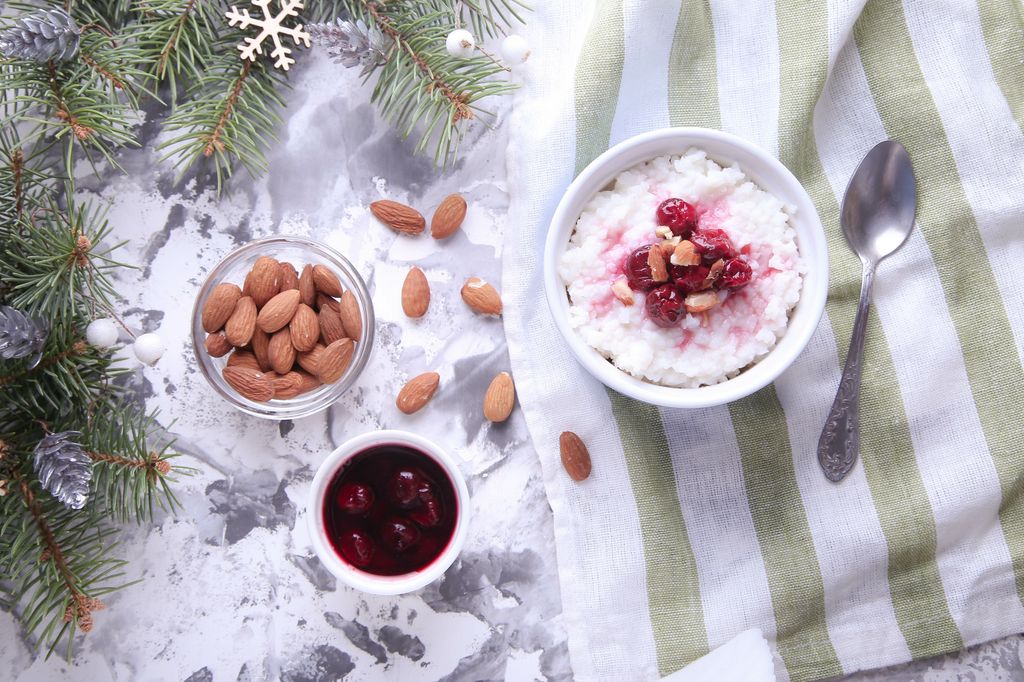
(701, 301)
(685, 254)
(622, 291)
(659, 271)
(663, 231)
(667, 248)
(714, 273)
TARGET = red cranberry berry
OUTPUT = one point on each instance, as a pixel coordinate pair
(429, 514)
(404, 487)
(678, 215)
(356, 547)
(665, 305)
(638, 272)
(355, 498)
(398, 534)
(689, 278)
(712, 244)
(737, 273)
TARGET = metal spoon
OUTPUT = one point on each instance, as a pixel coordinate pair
(877, 217)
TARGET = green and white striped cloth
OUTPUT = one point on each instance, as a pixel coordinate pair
(698, 524)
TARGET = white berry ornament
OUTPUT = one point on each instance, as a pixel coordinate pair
(148, 348)
(514, 50)
(101, 333)
(460, 43)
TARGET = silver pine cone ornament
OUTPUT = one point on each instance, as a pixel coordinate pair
(21, 335)
(42, 36)
(352, 44)
(63, 468)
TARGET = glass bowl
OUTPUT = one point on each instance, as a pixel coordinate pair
(299, 252)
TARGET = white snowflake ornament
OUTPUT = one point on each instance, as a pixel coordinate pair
(273, 26)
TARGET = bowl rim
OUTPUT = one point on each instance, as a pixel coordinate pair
(279, 410)
(810, 239)
(368, 582)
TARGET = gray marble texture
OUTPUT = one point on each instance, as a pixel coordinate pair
(230, 588)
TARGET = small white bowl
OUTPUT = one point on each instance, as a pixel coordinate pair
(370, 582)
(770, 175)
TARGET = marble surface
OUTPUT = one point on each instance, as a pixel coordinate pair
(230, 588)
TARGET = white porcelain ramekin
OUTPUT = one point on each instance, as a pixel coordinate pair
(767, 172)
(369, 582)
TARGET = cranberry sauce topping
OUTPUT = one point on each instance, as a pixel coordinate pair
(391, 510)
(638, 271)
(665, 305)
(677, 215)
(712, 244)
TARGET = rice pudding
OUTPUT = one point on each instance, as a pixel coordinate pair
(682, 273)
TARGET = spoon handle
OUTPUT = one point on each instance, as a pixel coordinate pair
(840, 439)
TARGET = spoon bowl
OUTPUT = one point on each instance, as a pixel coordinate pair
(880, 202)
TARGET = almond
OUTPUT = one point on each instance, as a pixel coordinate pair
(288, 278)
(701, 301)
(331, 328)
(714, 273)
(278, 311)
(351, 318)
(334, 360)
(219, 306)
(500, 398)
(305, 328)
(264, 280)
(621, 291)
(481, 296)
(242, 323)
(326, 281)
(260, 344)
(251, 383)
(404, 219)
(685, 253)
(243, 358)
(448, 216)
(309, 382)
(663, 231)
(417, 392)
(575, 457)
(327, 302)
(247, 284)
(217, 345)
(667, 249)
(656, 260)
(287, 385)
(281, 351)
(415, 293)
(311, 361)
(307, 288)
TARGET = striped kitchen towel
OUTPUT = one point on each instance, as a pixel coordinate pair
(696, 525)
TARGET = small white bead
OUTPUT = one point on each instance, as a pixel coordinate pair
(514, 50)
(460, 43)
(148, 348)
(101, 333)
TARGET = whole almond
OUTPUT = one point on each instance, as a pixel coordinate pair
(309, 382)
(305, 328)
(278, 311)
(334, 360)
(400, 217)
(351, 318)
(281, 351)
(415, 293)
(307, 288)
(311, 361)
(417, 392)
(500, 398)
(260, 344)
(656, 261)
(287, 385)
(242, 323)
(323, 301)
(247, 284)
(331, 328)
(219, 306)
(217, 345)
(251, 383)
(288, 278)
(264, 280)
(575, 457)
(243, 358)
(481, 296)
(326, 281)
(448, 217)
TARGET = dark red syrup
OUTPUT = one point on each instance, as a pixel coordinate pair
(391, 510)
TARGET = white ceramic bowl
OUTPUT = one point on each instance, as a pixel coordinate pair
(369, 582)
(770, 175)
